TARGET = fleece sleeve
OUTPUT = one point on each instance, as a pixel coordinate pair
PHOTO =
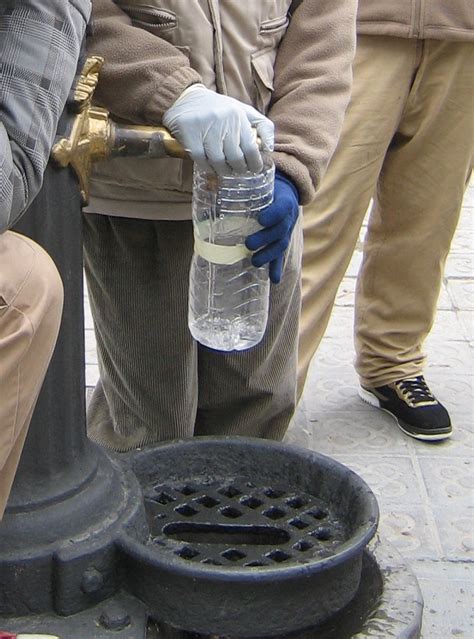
(313, 75)
(141, 85)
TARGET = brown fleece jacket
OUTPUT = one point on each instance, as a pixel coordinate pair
(143, 75)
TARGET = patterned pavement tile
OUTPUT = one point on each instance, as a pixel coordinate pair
(370, 432)
(459, 266)
(392, 478)
(410, 530)
(448, 590)
(446, 327)
(466, 319)
(462, 293)
(456, 531)
(449, 481)
(458, 356)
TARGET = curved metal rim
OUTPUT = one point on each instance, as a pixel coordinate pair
(346, 551)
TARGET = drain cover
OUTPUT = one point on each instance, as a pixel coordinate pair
(235, 525)
(247, 537)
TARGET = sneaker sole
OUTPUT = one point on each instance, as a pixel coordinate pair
(369, 398)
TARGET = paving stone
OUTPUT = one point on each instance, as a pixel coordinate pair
(462, 293)
(448, 590)
(466, 320)
(448, 481)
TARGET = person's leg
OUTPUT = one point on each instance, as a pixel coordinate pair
(418, 201)
(252, 393)
(137, 275)
(383, 70)
(31, 297)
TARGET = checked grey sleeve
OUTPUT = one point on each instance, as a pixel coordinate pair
(40, 42)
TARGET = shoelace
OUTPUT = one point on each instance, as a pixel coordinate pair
(416, 390)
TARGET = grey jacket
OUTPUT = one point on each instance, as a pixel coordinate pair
(40, 42)
(436, 19)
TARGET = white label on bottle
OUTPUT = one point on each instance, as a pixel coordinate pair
(218, 254)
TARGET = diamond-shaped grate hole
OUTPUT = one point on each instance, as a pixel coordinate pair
(211, 562)
(186, 510)
(230, 512)
(251, 502)
(230, 491)
(254, 564)
(317, 513)
(278, 555)
(296, 502)
(323, 533)
(274, 493)
(187, 552)
(303, 545)
(274, 513)
(299, 523)
(207, 501)
(232, 554)
(187, 489)
(164, 498)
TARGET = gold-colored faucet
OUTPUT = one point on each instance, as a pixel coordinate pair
(95, 136)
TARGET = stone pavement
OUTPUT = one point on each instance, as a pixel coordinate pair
(425, 490)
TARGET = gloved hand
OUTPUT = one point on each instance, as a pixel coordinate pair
(279, 220)
(216, 130)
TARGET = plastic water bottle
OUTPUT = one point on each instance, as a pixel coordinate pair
(228, 297)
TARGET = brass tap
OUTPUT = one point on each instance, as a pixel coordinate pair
(95, 136)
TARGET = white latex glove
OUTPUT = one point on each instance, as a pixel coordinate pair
(216, 130)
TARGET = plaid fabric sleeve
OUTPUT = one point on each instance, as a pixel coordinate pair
(39, 47)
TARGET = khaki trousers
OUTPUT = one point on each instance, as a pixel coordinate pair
(31, 298)
(407, 142)
(156, 382)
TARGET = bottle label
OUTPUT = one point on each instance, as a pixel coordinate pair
(218, 254)
(222, 253)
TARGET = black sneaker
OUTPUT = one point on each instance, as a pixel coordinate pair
(413, 405)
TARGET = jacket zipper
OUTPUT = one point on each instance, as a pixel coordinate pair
(417, 27)
(165, 18)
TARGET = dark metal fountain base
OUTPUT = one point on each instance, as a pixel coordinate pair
(388, 603)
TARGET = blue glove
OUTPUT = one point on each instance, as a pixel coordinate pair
(279, 220)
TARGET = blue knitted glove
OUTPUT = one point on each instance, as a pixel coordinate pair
(279, 220)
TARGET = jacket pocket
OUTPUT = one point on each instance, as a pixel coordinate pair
(262, 71)
(274, 25)
(150, 18)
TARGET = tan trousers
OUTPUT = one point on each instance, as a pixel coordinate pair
(156, 382)
(31, 298)
(407, 141)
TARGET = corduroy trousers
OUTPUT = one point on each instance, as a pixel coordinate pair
(31, 298)
(156, 382)
(407, 142)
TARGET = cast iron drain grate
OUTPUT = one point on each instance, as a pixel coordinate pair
(223, 524)
(257, 538)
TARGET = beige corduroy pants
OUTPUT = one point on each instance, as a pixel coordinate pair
(156, 382)
(407, 142)
(31, 298)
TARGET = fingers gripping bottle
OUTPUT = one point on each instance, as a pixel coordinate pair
(228, 297)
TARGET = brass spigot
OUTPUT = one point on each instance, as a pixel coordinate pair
(95, 136)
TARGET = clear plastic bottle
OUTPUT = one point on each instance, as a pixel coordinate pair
(228, 297)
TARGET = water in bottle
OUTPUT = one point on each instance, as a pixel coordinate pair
(228, 297)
